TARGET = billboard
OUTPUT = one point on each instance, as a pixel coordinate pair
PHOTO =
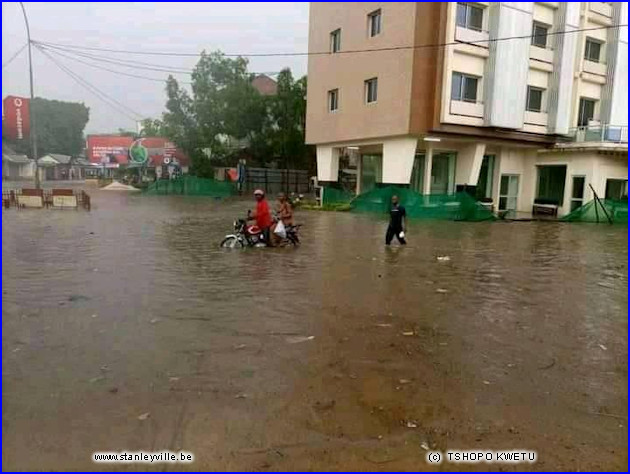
(16, 117)
(149, 151)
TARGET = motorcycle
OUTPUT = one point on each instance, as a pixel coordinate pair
(251, 236)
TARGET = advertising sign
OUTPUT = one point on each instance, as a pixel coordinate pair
(16, 117)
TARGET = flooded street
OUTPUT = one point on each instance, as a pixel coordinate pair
(341, 354)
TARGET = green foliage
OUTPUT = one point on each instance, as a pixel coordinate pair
(152, 128)
(224, 107)
(59, 127)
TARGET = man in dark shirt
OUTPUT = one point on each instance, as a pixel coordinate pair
(397, 219)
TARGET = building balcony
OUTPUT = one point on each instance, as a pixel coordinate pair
(602, 8)
(541, 54)
(466, 35)
(600, 133)
(591, 67)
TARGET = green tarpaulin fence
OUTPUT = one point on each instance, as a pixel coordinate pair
(459, 206)
(593, 211)
(191, 186)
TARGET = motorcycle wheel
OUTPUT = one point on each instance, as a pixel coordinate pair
(293, 239)
(231, 243)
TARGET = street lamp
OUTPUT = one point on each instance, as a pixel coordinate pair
(30, 104)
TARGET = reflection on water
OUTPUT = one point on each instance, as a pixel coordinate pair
(133, 308)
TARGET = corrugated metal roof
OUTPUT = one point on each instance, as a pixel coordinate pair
(21, 159)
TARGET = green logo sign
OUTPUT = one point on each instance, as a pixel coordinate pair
(138, 153)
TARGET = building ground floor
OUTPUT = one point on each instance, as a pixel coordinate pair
(514, 179)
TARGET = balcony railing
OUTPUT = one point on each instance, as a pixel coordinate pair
(600, 133)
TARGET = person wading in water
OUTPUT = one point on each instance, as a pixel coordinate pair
(397, 221)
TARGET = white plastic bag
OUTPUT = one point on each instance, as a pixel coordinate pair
(280, 230)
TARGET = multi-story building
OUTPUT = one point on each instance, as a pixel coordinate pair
(522, 103)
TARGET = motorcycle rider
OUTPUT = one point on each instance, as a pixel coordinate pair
(262, 215)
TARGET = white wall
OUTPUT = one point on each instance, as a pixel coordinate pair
(398, 156)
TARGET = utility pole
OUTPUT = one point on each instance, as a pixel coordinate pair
(33, 135)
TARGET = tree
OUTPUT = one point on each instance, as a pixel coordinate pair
(151, 128)
(288, 114)
(60, 127)
(224, 106)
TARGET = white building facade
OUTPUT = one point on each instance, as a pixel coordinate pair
(524, 105)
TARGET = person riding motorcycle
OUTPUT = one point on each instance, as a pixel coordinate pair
(262, 215)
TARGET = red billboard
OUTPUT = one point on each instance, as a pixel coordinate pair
(16, 117)
(150, 151)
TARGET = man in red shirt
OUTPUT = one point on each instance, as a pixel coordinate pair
(262, 215)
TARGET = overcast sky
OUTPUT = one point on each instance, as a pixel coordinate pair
(160, 26)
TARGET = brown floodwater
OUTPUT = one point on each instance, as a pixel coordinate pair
(338, 355)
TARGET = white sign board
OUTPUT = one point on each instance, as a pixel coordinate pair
(30, 201)
(65, 201)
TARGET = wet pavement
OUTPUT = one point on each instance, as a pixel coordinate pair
(338, 355)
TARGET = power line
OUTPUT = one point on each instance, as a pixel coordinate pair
(120, 62)
(127, 74)
(15, 55)
(323, 53)
(130, 63)
(118, 106)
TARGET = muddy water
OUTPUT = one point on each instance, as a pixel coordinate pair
(518, 341)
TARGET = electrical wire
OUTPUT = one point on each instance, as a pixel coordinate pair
(118, 106)
(14, 56)
(322, 53)
(102, 68)
(128, 64)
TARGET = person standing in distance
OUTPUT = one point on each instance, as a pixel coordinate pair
(397, 221)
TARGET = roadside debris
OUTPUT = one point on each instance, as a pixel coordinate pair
(298, 339)
(240, 396)
(424, 446)
(412, 424)
(441, 290)
(443, 258)
(97, 379)
(144, 416)
(603, 347)
(408, 333)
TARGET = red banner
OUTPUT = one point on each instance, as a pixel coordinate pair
(17, 123)
(111, 149)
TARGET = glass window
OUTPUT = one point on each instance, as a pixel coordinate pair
(469, 16)
(616, 189)
(484, 182)
(371, 90)
(335, 41)
(464, 87)
(577, 192)
(508, 192)
(586, 111)
(551, 179)
(592, 50)
(333, 100)
(534, 99)
(539, 37)
(374, 23)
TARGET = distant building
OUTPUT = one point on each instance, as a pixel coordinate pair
(522, 123)
(265, 85)
(16, 166)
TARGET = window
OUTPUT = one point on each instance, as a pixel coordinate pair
(469, 16)
(586, 111)
(616, 189)
(464, 87)
(539, 36)
(333, 100)
(551, 180)
(371, 90)
(335, 41)
(508, 192)
(374, 23)
(577, 193)
(592, 50)
(534, 99)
